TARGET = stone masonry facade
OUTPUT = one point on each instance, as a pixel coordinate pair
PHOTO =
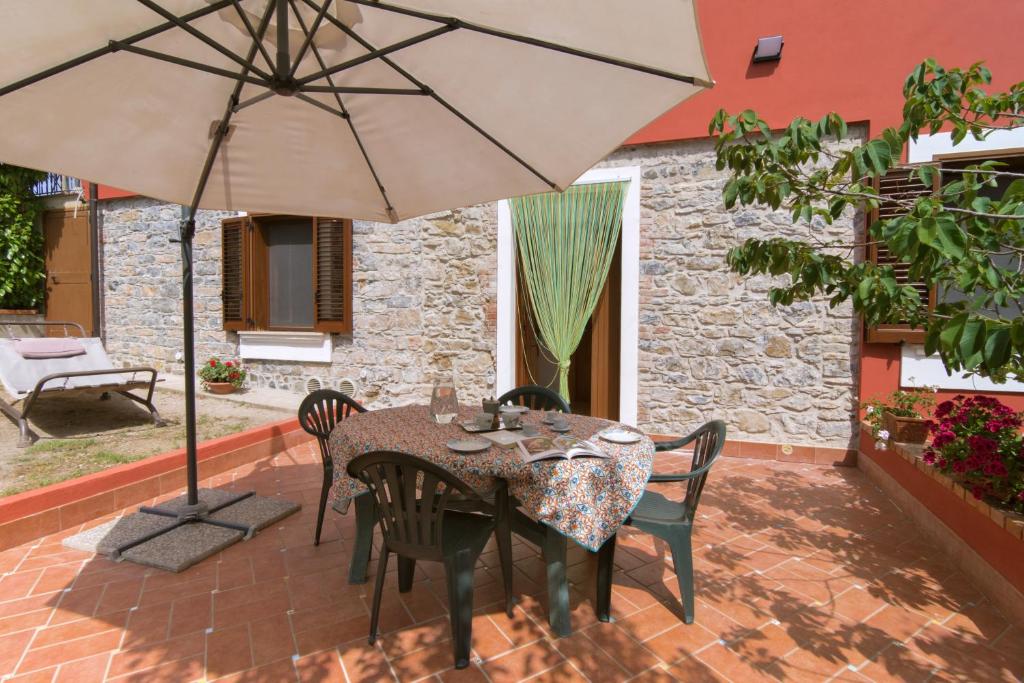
(424, 307)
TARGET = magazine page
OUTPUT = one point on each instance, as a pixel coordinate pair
(539, 448)
(544, 448)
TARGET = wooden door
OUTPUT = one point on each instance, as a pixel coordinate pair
(69, 280)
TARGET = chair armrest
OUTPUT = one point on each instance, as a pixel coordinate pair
(674, 444)
(663, 478)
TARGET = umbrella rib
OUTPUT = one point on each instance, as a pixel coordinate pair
(440, 100)
(99, 52)
(537, 42)
(359, 90)
(309, 34)
(376, 54)
(252, 32)
(186, 63)
(222, 128)
(320, 105)
(253, 100)
(392, 214)
(196, 33)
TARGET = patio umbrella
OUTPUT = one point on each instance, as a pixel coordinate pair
(356, 108)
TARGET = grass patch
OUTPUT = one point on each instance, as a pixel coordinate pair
(60, 445)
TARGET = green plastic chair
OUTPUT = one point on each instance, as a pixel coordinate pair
(410, 497)
(534, 397)
(669, 520)
(319, 412)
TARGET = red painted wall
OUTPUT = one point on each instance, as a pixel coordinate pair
(848, 57)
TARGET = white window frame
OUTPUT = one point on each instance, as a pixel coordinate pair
(916, 369)
(629, 331)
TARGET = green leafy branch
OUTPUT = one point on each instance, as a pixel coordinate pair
(21, 242)
(967, 236)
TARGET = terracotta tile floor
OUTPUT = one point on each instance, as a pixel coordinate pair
(804, 573)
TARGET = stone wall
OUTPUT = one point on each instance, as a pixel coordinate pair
(141, 294)
(424, 304)
(711, 345)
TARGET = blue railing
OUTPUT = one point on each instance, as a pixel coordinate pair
(54, 183)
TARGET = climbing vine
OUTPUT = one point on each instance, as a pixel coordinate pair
(21, 243)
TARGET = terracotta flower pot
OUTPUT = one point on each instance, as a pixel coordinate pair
(220, 387)
(905, 429)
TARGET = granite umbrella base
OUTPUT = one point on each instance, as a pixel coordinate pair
(168, 537)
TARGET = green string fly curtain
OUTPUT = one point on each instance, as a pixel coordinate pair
(566, 243)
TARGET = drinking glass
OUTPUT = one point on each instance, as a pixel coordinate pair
(444, 404)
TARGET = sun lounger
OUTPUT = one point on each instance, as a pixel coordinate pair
(65, 367)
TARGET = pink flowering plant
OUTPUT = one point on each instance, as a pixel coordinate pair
(978, 441)
(217, 370)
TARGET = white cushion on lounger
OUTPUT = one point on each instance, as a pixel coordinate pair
(49, 347)
(20, 375)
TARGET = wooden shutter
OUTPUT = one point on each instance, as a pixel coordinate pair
(234, 248)
(332, 275)
(898, 184)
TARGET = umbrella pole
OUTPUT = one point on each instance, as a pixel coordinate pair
(188, 229)
(195, 510)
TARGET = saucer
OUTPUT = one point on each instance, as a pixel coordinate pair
(473, 445)
(620, 436)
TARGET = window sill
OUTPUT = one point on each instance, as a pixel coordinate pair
(310, 347)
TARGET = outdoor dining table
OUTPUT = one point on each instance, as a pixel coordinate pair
(585, 500)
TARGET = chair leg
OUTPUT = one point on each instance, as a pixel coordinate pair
(558, 586)
(459, 574)
(378, 591)
(682, 559)
(503, 534)
(365, 521)
(406, 570)
(605, 567)
(324, 489)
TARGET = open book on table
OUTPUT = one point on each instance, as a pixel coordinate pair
(565, 448)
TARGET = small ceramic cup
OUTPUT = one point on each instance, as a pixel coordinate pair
(511, 420)
(483, 420)
(558, 421)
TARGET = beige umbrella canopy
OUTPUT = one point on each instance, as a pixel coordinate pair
(441, 103)
(354, 108)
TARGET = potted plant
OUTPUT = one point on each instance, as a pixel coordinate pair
(901, 416)
(222, 377)
(978, 441)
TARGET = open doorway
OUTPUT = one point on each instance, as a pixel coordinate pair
(594, 366)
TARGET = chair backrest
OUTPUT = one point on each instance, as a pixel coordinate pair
(707, 446)
(410, 497)
(321, 410)
(534, 397)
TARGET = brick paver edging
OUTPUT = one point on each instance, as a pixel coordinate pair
(68, 504)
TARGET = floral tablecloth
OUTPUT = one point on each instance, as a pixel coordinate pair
(586, 499)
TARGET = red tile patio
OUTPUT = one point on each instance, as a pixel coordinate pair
(804, 572)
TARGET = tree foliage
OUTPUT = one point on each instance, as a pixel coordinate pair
(960, 238)
(21, 243)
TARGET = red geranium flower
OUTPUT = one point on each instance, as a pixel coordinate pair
(213, 363)
(228, 363)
